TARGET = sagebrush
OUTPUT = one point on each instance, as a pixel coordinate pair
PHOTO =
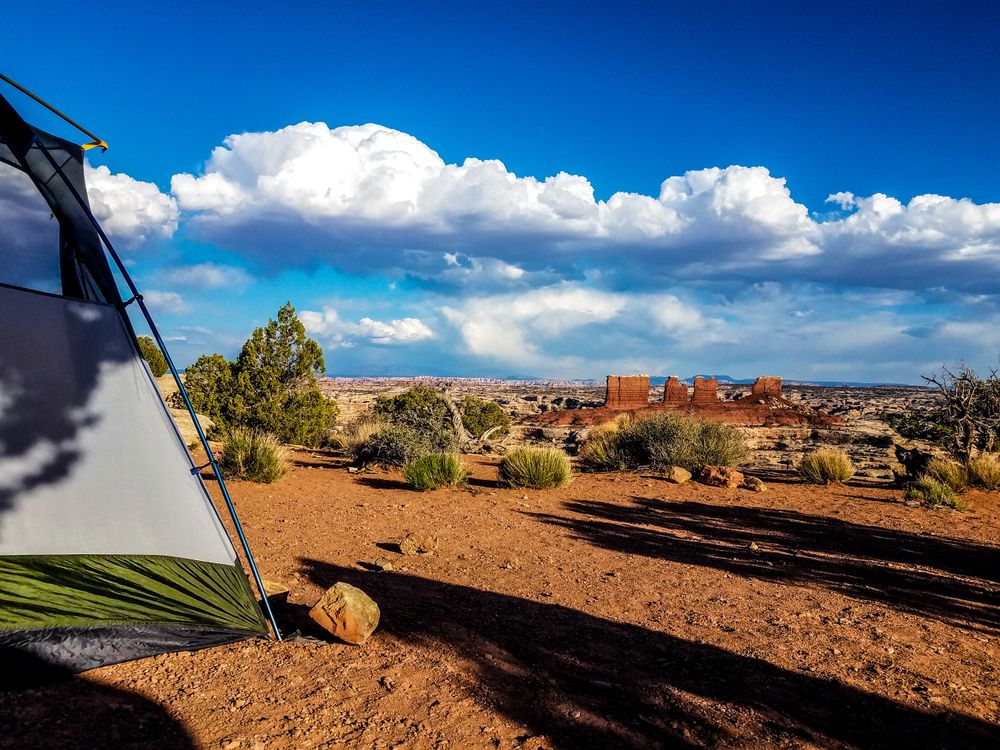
(435, 470)
(252, 454)
(535, 468)
(479, 416)
(826, 466)
(661, 441)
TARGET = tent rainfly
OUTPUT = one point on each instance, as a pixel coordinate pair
(110, 548)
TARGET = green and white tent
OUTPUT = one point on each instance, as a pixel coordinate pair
(110, 548)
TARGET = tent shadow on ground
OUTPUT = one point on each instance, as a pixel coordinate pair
(585, 681)
(45, 709)
(951, 580)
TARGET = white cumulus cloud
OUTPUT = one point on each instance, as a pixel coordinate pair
(328, 325)
(128, 209)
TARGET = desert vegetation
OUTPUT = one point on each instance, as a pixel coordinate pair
(153, 356)
(252, 454)
(435, 470)
(270, 387)
(534, 468)
(660, 441)
(984, 471)
(826, 466)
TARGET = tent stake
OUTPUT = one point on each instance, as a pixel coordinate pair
(177, 380)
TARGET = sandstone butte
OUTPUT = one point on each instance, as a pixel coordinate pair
(763, 406)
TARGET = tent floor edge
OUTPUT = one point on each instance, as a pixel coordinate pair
(53, 651)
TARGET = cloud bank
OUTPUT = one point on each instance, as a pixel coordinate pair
(371, 198)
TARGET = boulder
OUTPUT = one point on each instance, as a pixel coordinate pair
(347, 613)
(677, 475)
(753, 484)
(720, 476)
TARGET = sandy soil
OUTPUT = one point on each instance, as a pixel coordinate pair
(619, 612)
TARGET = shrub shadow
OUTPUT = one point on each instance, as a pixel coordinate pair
(948, 579)
(587, 682)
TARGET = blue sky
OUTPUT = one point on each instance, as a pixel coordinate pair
(647, 185)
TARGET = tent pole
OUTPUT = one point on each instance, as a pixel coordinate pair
(177, 380)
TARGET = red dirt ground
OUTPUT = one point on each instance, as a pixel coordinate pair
(618, 612)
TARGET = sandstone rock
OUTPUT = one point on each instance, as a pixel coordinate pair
(413, 544)
(675, 392)
(186, 427)
(706, 391)
(627, 392)
(753, 484)
(720, 476)
(347, 613)
(677, 475)
(767, 385)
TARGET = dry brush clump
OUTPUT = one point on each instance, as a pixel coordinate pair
(252, 454)
(932, 493)
(949, 473)
(534, 468)
(436, 470)
(661, 441)
(984, 471)
(826, 466)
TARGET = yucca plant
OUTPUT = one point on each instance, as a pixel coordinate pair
(253, 455)
(435, 470)
(826, 466)
(536, 468)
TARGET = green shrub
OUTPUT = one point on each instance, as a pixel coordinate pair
(152, 354)
(719, 444)
(984, 471)
(393, 445)
(480, 416)
(536, 468)
(932, 493)
(950, 473)
(826, 466)
(660, 441)
(601, 452)
(420, 410)
(254, 455)
(271, 386)
(435, 470)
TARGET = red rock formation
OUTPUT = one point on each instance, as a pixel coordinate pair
(627, 392)
(706, 391)
(767, 385)
(675, 392)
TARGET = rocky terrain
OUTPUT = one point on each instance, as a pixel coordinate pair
(861, 433)
(621, 611)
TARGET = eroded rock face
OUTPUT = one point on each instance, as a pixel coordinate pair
(767, 385)
(627, 392)
(721, 476)
(347, 613)
(675, 392)
(706, 391)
